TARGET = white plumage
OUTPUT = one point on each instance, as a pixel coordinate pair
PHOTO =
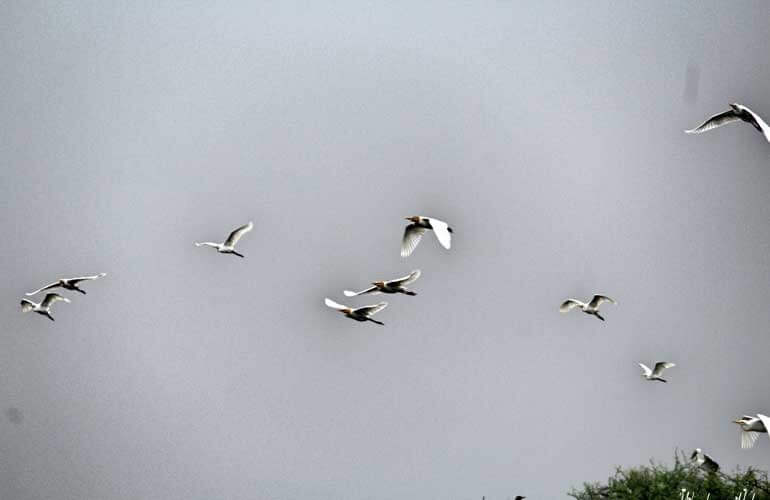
(737, 112)
(43, 308)
(68, 284)
(591, 307)
(751, 427)
(393, 286)
(360, 313)
(414, 231)
(229, 244)
(655, 373)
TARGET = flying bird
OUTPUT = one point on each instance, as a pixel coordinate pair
(392, 286)
(68, 284)
(360, 313)
(229, 245)
(414, 231)
(44, 307)
(655, 373)
(735, 113)
(591, 307)
(751, 427)
(704, 461)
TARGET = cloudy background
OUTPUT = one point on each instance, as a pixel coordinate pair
(548, 134)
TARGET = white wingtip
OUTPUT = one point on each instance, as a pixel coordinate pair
(102, 275)
(65, 299)
(197, 244)
(348, 293)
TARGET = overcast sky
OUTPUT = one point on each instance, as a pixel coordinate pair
(548, 134)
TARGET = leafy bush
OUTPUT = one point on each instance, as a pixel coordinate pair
(661, 482)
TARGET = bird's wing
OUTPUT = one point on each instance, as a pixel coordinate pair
(207, 244)
(765, 421)
(27, 305)
(647, 371)
(760, 122)
(372, 290)
(660, 366)
(598, 300)
(412, 236)
(334, 305)
(569, 304)
(709, 463)
(410, 278)
(75, 281)
(441, 229)
(371, 310)
(236, 235)
(715, 121)
(51, 298)
(748, 438)
(47, 287)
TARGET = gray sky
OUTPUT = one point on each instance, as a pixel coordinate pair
(548, 134)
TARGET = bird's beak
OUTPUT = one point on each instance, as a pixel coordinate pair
(736, 421)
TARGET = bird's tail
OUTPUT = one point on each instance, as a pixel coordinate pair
(410, 293)
(375, 321)
(599, 316)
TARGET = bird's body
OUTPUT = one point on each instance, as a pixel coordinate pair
(737, 112)
(591, 307)
(655, 373)
(228, 246)
(392, 286)
(703, 460)
(68, 284)
(359, 313)
(43, 308)
(414, 231)
(751, 427)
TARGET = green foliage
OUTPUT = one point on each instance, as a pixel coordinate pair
(660, 482)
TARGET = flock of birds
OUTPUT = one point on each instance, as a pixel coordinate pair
(751, 426)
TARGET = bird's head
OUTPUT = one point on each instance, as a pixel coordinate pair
(735, 106)
(414, 218)
(378, 283)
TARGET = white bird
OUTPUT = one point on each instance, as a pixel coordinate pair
(703, 460)
(591, 307)
(735, 113)
(655, 373)
(392, 286)
(229, 245)
(360, 313)
(68, 284)
(44, 307)
(414, 231)
(751, 427)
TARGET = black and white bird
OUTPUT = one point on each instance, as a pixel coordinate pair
(359, 313)
(393, 286)
(68, 284)
(44, 307)
(229, 245)
(655, 373)
(704, 461)
(414, 231)
(751, 427)
(737, 112)
(591, 307)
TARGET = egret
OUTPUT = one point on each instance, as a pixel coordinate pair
(735, 113)
(592, 307)
(68, 284)
(414, 231)
(704, 461)
(229, 245)
(751, 427)
(655, 373)
(44, 307)
(392, 286)
(360, 313)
